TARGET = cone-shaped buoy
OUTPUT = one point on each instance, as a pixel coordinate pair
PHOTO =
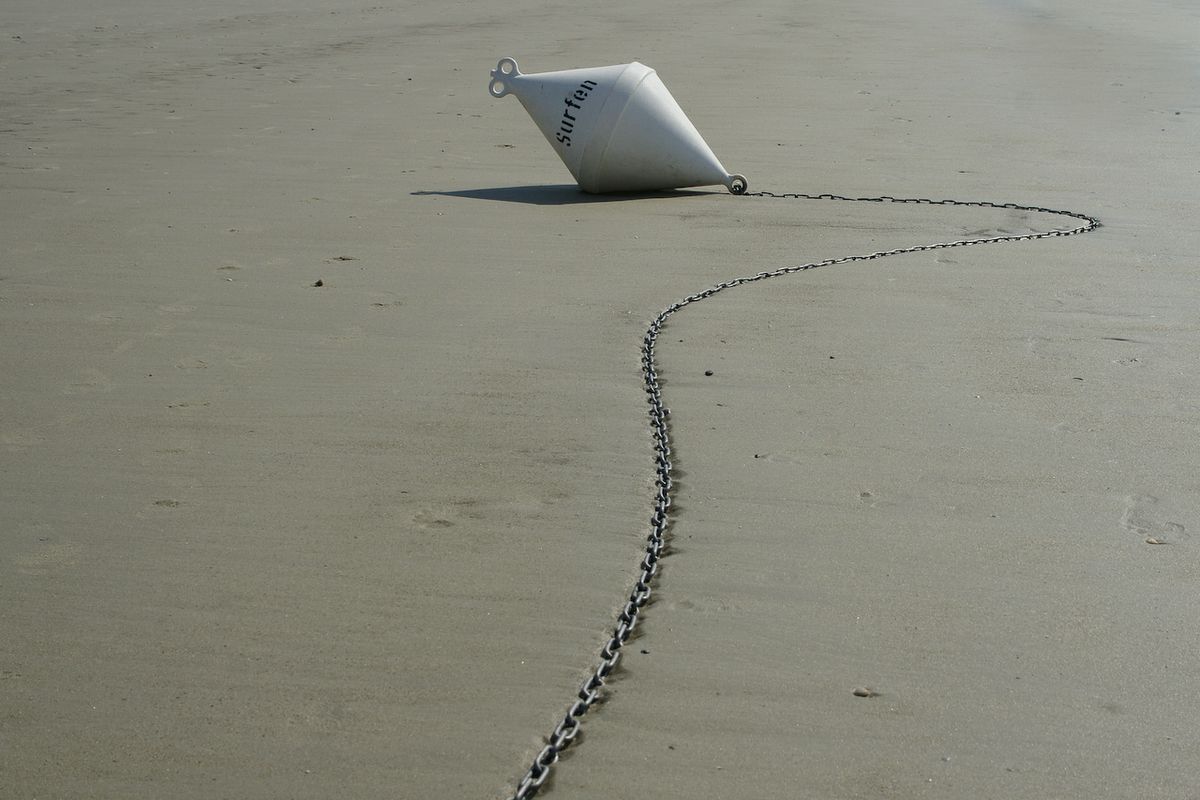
(616, 128)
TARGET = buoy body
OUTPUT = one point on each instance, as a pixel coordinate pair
(617, 129)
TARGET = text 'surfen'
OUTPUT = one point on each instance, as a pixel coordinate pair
(567, 125)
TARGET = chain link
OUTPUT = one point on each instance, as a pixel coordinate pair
(656, 542)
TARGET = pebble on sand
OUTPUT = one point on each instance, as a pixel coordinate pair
(863, 691)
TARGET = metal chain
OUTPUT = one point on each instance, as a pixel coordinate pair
(656, 543)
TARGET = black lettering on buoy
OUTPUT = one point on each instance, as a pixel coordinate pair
(567, 124)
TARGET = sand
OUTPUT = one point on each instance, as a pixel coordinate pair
(268, 539)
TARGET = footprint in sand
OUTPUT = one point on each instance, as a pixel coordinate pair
(90, 380)
(48, 557)
(246, 357)
(1145, 516)
(429, 519)
(701, 606)
(349, 335)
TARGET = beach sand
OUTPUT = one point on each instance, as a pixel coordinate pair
(267, 539)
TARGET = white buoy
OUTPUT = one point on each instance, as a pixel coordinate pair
(616, 128)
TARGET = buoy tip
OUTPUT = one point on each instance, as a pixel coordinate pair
(506, 68)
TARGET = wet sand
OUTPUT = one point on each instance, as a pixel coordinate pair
(264, 538)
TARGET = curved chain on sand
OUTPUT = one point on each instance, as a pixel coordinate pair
(564, 733)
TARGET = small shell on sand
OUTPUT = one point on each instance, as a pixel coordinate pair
(863, 691)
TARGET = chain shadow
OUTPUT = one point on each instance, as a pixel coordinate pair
(554, 195)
